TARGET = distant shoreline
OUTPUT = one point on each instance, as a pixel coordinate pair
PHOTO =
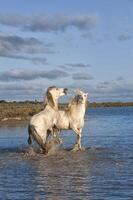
(22, 111)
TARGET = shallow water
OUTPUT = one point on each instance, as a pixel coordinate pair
(103, 171)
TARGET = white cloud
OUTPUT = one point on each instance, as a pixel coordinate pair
(16, 47)
(124, 36)
(17, 75)
(45, 23)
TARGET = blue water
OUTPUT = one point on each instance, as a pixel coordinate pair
(103, 171)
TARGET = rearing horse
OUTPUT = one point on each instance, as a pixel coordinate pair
(46, 119)
(73, 118)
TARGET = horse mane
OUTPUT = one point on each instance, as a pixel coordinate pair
(49, 100)
(72, 102)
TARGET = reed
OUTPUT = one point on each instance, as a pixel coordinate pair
(24, 110)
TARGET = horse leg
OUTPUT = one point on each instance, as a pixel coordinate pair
(49, 131)
(77, 146)
(55, 134)
(30, 150)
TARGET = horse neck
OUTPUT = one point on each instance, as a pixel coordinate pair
(56, 104)
(77, 110)
(48, 105)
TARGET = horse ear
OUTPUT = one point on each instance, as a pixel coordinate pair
(50, 99)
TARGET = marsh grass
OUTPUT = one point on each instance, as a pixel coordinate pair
(19, 110)
(24, 110)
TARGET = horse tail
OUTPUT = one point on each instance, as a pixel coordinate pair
(32, 132)
(30, 135)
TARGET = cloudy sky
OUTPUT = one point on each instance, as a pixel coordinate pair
(84, 44)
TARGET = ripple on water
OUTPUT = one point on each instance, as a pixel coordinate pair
(103, 171)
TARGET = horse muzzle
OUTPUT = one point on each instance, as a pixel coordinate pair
(65, 90)
(79, 99)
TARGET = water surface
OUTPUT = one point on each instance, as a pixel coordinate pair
(103, 171)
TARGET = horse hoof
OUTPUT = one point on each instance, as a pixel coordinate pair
(60, 141)
(29, 152)
(82, 149)
(76, 148)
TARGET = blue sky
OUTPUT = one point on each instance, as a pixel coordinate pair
(69, 43)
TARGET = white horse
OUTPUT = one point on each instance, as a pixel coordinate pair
(42, 122)
(73, 118)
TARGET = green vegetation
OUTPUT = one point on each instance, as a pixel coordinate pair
(24, 110)
(110, 104)
(21, 110)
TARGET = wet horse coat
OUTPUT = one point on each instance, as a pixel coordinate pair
(73, 118)
(45, 120)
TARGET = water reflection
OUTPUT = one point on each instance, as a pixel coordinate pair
(65, 175)
(103, 171)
